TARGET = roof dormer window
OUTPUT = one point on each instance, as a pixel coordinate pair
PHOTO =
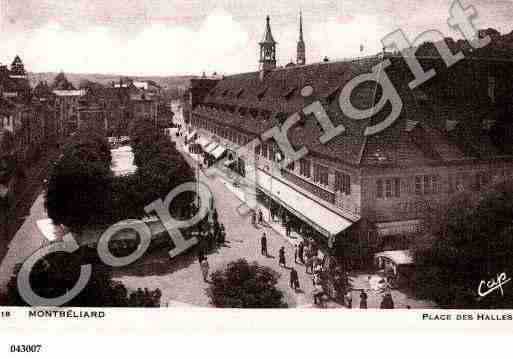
(288, 94)
(261, 94)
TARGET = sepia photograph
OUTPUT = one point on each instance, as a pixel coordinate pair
(343, 155)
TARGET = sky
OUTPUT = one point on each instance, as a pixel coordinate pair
(171, 37)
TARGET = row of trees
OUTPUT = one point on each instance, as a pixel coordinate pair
(160, 169)
(83, 192)
(473, 241)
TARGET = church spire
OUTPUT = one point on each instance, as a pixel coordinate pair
(268, 48)
(301, 51)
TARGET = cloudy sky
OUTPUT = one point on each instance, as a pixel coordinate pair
(170, 37)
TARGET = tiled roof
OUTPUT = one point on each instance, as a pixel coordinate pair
(254, 103)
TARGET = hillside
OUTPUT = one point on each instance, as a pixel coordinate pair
(166, 82)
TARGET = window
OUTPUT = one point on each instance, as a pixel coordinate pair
(304, 168)
(491, 88)
(264, 149)
(321, 174)
(272, 152)
(343, 183)
(379, 184)
(397, 187)
(481, 180)
(258, 149)
(388, 188)
(418, 185)
(427, 184)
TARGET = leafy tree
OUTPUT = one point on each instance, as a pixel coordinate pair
(245, 285)
(79, 187)
(78, 193)
(473, 242)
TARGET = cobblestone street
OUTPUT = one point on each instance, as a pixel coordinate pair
(182, 282)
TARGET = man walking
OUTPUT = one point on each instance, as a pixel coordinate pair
(205, 267)
(296, 253)
(281, 256)
(363, 300)
(263, 245)
(300, 252)
(294, 279)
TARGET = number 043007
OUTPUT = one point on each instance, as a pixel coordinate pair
(34, 348)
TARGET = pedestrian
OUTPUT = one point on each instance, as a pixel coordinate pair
(308, 265)
(210, 240)
(263, 245)
(387, 302)
(363, 300)
(300, 252)
(296, 253)
(281, 256)
(201, 254)
(222, 236)
(260, 216)
(348, 300)
(253, 218)
(294, 279)
(287, 228)
(317, 266)
(316, 279)
(204, 269)
(317, 293)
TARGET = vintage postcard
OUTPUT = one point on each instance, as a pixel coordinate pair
(166, 157)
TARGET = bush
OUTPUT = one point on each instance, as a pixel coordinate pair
(244, 285)
(56, 274)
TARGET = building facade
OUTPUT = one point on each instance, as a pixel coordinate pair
(365, 193)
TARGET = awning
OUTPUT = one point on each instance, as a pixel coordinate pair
(321, 218)
(211, 147)
(218, 152)
(203, 142)
(228, 163)
(398, 257)
(402, 227)
(191, 135)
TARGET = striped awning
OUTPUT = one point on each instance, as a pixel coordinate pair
(218, 152)
(211, 147)
(203, 142)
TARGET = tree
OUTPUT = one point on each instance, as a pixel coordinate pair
(57, 273)
(78, 193)
(80, 185)
(473, 242)
(244, 285)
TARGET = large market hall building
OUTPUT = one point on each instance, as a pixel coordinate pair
(363, 193)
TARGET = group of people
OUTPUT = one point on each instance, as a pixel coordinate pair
(257, 217)
(145, 298)
(304, 253)
(208, 239)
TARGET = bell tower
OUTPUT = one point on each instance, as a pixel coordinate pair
(301, 51)
(268, 49)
